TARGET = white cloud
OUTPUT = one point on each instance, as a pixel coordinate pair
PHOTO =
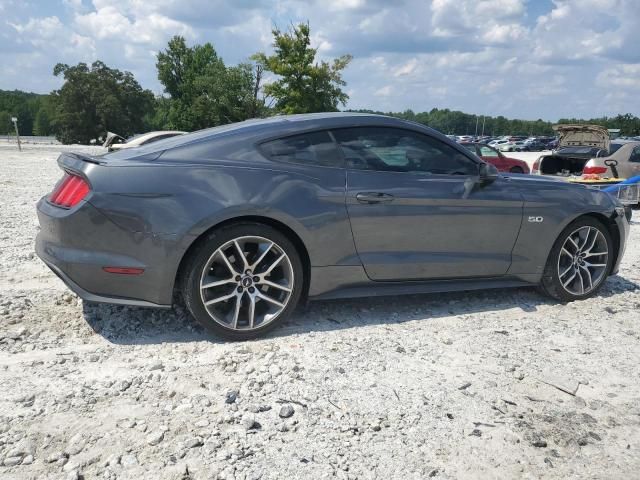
(626, 77)
(407, 68)
(337, 5)
(482, 56)
(384, 91)
(110, 22)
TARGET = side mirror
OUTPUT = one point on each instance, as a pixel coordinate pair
(487, 173)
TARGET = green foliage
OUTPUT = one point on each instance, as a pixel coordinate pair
(459, 123)
(628, 124)
(19, 104)
(42, 125)
(303, 86)
(203, 91)
(5, 122)
(97, 99)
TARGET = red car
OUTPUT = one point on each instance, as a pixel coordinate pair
(495, 157)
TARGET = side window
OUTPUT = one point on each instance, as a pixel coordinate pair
(398, 150)
(471, 147)
(315, 148)
(488, 152)
(635, 155)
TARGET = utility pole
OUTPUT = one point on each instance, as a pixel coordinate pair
(15, 124)
(477, 118)
(483, 120)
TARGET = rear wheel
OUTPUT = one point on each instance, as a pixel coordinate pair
(579, 262)
(516, 170)
(243, 280)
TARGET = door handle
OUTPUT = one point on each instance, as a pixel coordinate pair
(374, 197)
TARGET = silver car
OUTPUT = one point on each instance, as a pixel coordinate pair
(623, 163)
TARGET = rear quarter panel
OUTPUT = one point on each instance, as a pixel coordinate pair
(188, 199)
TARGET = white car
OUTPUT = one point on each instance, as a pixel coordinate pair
(518, 146)
(116, 142)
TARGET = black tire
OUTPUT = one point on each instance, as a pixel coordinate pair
(551, 284)
(198, 258)
(516, 170)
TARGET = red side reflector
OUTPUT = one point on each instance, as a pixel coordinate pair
(69, 191)
(124, 270)
(594, 170)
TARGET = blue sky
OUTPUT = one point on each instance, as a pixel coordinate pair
(519, 58)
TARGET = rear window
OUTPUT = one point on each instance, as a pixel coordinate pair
(614, 147)
(314, 148)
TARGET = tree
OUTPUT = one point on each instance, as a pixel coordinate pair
(42, 123)
(5, 123)
(203, 91)
(303, 86)
(22, 105)
(97, 99)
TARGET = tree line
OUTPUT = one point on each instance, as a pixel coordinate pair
(201, 91)
(454, 122)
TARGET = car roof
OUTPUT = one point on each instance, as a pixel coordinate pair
(259, 130)
(291, 124)
(145, 136)
(624, 142)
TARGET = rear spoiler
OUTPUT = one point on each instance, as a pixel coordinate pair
(77, 162)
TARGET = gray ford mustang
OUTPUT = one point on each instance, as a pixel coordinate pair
(247, 219)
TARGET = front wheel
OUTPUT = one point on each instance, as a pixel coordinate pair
(243, 280)
(516, 170)
(579, 262)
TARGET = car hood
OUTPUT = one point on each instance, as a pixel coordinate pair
(582, 136)
(535, 179)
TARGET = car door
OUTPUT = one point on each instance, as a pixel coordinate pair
(491, 155)
(418, 211)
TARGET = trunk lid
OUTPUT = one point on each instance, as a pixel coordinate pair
(593, 136)
(111, 139)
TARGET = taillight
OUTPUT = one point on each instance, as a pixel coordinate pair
(69, 191)
(536, 165)
(590, 170)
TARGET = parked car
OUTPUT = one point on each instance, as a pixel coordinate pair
(535, 146)
(116, 142)
(496, 158)
(245, 220)
(624, 162)
(516, 146)
(576, 145)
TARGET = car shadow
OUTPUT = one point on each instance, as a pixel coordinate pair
(140, 326)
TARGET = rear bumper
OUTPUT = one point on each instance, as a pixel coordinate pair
(77, 243)
(92, 297)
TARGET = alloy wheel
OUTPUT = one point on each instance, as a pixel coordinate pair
(583, 260)
(246, 283)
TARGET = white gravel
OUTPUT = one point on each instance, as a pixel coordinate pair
(444, 386)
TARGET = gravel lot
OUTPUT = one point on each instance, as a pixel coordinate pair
(445, 386)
